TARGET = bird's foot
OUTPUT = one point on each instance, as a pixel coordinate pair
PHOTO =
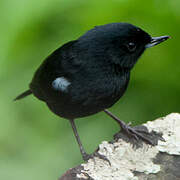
(86, 157)
(137, 134)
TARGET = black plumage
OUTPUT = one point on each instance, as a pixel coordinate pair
(90, 74)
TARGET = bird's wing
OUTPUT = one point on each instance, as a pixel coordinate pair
(54, 73)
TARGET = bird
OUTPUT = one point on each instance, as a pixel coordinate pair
(90, 74)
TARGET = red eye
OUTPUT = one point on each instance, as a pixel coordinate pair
(131, 46)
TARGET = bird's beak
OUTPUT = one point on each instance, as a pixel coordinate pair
(156, 40)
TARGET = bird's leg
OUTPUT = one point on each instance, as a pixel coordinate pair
(85, 156)
(130, 130)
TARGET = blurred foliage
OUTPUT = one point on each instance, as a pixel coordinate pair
(34, 143)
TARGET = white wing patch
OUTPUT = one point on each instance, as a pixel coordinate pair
(60, 84)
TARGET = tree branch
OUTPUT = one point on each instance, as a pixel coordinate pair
(132, 160)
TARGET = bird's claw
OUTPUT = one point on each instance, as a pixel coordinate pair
(137, 134)
(86, 157)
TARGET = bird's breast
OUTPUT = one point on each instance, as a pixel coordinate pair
(102, 91)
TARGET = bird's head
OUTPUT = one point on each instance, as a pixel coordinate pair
(119, 43)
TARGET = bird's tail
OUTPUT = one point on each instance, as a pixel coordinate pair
(23, 95)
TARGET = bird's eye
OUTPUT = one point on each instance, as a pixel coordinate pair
(131, 47)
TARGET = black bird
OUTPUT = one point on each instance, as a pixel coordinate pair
(90, 74)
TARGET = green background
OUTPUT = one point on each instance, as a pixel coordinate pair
(36, 144)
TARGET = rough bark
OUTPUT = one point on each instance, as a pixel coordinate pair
(135, 160)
